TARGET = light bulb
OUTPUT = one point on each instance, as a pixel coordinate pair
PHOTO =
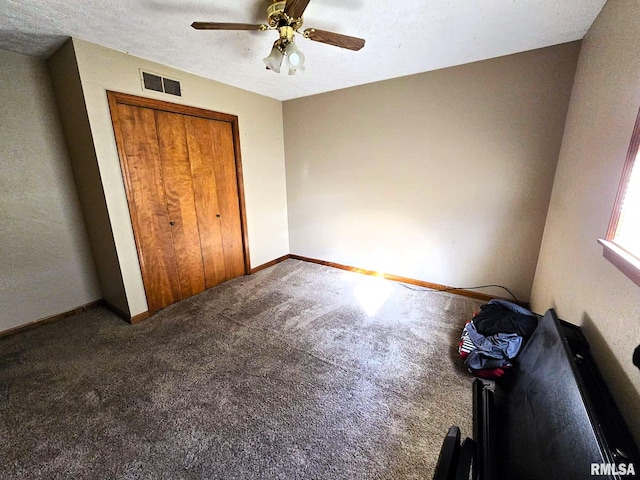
(295, 59)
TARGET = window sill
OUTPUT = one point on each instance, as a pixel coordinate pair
(622, 260)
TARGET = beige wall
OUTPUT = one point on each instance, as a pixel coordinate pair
(572, 276)
(261, 139)
(443, 176)
(73, 114)
(45, 259)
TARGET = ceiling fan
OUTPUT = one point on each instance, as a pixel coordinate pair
(286, 17)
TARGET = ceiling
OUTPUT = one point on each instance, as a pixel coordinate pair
(403, 37)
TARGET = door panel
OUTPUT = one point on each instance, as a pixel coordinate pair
(174, 155)
(227, 193)
(202, 157)
(157, 259)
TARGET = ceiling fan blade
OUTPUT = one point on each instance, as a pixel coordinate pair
(296, 8)
(225, 26)
(337, 39)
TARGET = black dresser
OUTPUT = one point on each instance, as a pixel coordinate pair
(553, 416)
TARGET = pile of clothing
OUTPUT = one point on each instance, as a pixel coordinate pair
(494, 336)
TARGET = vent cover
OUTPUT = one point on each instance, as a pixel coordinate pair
(152, 82)
(157, 83)
(172, 87)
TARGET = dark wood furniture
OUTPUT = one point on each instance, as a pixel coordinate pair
(553, 417)
(455, 461)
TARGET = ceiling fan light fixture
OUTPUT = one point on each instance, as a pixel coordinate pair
(274, 60)
(295, 59)
(286, 16)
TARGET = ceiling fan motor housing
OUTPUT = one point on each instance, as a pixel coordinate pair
(277, 18)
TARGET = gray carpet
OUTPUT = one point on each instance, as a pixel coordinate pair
(281, 374)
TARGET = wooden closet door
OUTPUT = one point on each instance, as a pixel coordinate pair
(181, 168)
(150, 216)
(227, 193)
(216, 191)
(181, 203)
(205, 189)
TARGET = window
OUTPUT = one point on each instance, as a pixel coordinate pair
(622, 245)
(627, 232)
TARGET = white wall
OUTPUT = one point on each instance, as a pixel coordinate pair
(443, 176)
(261, 139)
(572, 276)
(45, 260)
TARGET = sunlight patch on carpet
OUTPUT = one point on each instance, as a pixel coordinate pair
(372, 293)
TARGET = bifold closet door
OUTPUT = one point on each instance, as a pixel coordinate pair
(181, 204)
(216, 191)
(184, 198)
(150, 216)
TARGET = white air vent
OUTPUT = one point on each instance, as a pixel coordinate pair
(158, 83)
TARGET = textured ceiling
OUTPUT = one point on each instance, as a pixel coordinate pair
(403, 37)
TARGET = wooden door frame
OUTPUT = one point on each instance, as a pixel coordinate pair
(116, 98)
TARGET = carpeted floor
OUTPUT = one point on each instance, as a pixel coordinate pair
(282, 374)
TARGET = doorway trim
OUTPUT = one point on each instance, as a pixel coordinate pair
(116, 98)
